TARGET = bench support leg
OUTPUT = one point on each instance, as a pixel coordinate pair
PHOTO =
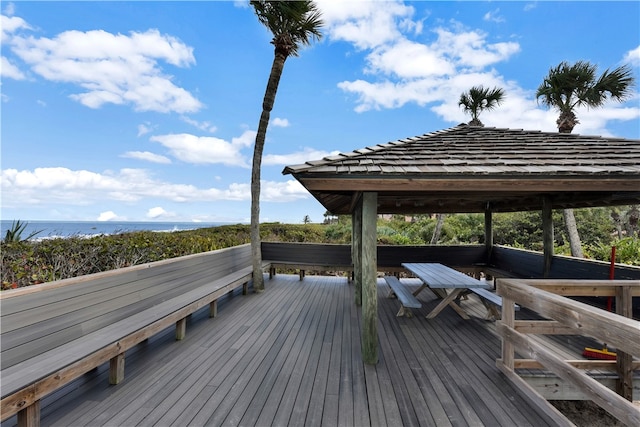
(404, 311)
(301, 274)
(30, 416)
(272, 272)
(492, 311)
(245, 288)
(116, 369)
(181, 329)
(213, 308)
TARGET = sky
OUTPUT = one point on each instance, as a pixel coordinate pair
(148, 111)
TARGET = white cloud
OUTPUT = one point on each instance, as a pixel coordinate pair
(367, 24)
(406, 59)
(493, 16)
(144, 129)
(278, 122)
(108, 216)
(110, 68)
(295, 158)
(207, 149)
(9, 8)
(147, 156)
(403, 70)
(203, 126)
(10, 25)
(633, 57)
(158, 212)
(471, 49)
(66, 187)
(8, 70)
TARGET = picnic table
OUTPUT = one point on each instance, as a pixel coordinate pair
(439, 279)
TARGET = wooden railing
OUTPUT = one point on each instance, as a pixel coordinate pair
(569, 317)
(529, 264)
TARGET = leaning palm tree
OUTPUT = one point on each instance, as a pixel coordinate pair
(567, 87)
(293, 24)
(479, 99)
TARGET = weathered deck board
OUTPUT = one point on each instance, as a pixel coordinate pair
(291, 356)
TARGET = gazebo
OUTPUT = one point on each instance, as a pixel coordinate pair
(467, 169)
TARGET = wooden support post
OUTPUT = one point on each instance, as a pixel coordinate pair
(116, 369)
(624, 383)
(356, 251)
(508, 319)
(30, 416)
(369, 278)
(547, 235)
(181, 328)
(488, 232)
(213, 308)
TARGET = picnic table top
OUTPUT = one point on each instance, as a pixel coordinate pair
(440, 276)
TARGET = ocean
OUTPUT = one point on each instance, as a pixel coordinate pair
(54, 229)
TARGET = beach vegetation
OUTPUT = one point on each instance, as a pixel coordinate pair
(29, 262)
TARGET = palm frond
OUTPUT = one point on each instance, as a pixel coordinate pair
(292, 23)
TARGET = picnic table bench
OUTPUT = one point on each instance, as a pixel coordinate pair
(53, 333)
(404, 295)
(440, 278)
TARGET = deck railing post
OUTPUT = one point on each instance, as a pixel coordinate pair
(508, 319)
(624, 382)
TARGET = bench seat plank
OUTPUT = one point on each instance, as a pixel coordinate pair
(32, 379)
(404, 295)
(491, 302)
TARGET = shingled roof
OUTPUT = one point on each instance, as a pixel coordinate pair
(470, 168)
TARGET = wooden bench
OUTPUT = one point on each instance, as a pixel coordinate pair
(55, 332)
(404, 295)
(306, 257)
(492, 302)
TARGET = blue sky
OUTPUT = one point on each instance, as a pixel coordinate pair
(146, 111)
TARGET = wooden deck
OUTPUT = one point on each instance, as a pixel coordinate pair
(291, 356)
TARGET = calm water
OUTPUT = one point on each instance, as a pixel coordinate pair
(51, 229)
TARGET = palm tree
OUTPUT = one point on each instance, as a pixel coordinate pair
(293, 24)
(567, 87)
(479, 99)
(475, 101)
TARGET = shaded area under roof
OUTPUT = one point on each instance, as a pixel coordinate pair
(472, 169)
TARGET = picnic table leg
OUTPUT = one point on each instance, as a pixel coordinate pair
(420, 289)
(449, 300)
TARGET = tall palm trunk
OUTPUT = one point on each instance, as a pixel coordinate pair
(572, 232)
(437, 231)
(267, 106)
(566, 123)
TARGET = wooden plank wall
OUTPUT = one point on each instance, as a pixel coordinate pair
(528, 264)
(307, 253)
(388, 256)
